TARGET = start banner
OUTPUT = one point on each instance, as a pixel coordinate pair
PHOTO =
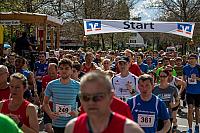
(96, 26)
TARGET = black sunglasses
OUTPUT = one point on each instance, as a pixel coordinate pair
(95, 97)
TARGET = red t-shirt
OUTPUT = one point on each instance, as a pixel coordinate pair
(119, 107)
(135, 69)
(20, 112)
(46, 79)
(86, 69)
(116, 124)
(4, 93)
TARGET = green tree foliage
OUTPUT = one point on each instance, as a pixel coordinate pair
(73, 11)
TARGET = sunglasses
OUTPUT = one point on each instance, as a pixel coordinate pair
(95, 97)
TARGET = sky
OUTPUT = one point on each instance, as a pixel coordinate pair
(147, 14)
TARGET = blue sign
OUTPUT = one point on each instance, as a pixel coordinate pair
(184, 28)
(93, 25)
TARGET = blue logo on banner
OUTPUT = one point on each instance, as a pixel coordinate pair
(184, 28)
(93, 25)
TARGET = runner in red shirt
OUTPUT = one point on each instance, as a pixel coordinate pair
(96, 95)
(88, 65)
(4, 86)
(52, 74)
(20, 110)
(134, 68)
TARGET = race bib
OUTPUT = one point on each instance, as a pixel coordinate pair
(192, 81)
(63, 110)
(145, 120)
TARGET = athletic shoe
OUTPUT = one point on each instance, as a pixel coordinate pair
(189, 131)
(196, 129)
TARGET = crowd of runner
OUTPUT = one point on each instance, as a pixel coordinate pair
(104, 91)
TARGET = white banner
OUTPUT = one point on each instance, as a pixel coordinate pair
(95, 26)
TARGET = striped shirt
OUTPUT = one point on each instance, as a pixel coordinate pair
(62, 94)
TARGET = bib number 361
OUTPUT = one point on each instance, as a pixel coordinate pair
(145, 120)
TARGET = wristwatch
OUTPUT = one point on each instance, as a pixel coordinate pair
(20, 124)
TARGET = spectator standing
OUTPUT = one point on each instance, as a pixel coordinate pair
(22, 43)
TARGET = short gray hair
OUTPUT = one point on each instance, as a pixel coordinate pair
(97, 76)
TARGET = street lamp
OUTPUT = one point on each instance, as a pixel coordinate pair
(84, 42)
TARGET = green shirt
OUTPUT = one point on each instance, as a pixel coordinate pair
(8, 125)
(160, 69)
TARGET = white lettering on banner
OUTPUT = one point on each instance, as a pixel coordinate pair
(145, 120)
(63, 110)
(96, 26)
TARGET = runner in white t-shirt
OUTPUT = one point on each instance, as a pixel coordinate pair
(125, 83)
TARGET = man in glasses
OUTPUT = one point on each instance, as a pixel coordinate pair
(63, 92)
(191, 74)
(147, 108)
(166, 61)
(168, 93)
(96, 96)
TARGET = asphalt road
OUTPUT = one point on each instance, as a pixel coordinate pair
(182, 121)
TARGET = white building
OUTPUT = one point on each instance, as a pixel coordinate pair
(136, 40)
